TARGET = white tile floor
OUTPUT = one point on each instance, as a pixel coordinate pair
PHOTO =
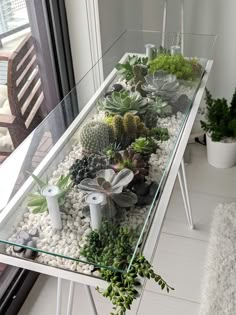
(180, 256)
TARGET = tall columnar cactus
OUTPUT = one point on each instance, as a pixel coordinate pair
(130, 126)
(95, 136)
(118, 127)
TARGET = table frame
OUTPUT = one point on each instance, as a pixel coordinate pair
(161, 208)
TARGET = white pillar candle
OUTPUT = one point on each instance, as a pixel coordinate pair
(149, 51)
(95, 201)
(51, 193)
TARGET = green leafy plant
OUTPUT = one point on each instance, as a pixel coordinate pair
(145, 146)
(119, 103)
(182, 68)
(113, 246)
(220, 118)
(160, 134)
(37, 202)
(126, 69)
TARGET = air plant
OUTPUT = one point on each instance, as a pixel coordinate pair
(161, 84)
(111, 185)
(133, 161)
(122, 102)
(37, 202)
(144, 146)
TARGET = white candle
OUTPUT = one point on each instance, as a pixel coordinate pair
(149, 51)
(51, 193)
(95, 201)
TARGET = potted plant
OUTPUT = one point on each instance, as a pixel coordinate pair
(220, 128)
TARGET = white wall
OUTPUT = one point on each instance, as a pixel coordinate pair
(203, 17)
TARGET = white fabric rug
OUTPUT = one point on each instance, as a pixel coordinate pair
(219, 286)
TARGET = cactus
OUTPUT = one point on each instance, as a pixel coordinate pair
(130, 126)
(95, 136)
(118, 127)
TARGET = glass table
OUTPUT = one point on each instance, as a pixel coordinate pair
(135, 120)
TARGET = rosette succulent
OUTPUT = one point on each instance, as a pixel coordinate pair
(161, 84)
(133, 161)
(122, 102)
(111, 185)
(145, 146)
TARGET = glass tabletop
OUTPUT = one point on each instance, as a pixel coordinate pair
(99, 183)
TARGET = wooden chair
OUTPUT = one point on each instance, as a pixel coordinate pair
(21, 100)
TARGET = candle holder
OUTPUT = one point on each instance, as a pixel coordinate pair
(150, 50)
(95, 201)
(51, 193)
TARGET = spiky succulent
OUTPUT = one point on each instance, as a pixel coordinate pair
(95, 136)
(111, 150)
(111, 185)
(161, 84)
(133, 161)
(87, 167)
(122, 102)
(145, 146)
(38, 203)
(128, 128)
(160, 134)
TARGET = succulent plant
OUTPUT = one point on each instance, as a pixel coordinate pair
(126, 69)
(111, 150)
(95, 136)
(133, 161)
(145, 146)
(111, 185)
(38, 203)
(128, 128)
(139, 72)
(87, 167)
(122, 102)
(159, 134)
(182, 68)
(161, 84)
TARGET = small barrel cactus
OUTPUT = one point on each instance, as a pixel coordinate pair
(95, 136)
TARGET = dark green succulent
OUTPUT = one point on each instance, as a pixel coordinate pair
(113, 246)
(126, 69)
(159, 134)
(111, 150)
(87, 167)
(119, 103)
(145, 146)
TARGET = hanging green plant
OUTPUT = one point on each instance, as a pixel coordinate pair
(113, 246)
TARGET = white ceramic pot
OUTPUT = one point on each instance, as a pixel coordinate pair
(220, 154)
(95, 204)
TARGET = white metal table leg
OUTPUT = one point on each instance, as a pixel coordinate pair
(185, 194)
(70, 298)
(91, 300)
(59, 284)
